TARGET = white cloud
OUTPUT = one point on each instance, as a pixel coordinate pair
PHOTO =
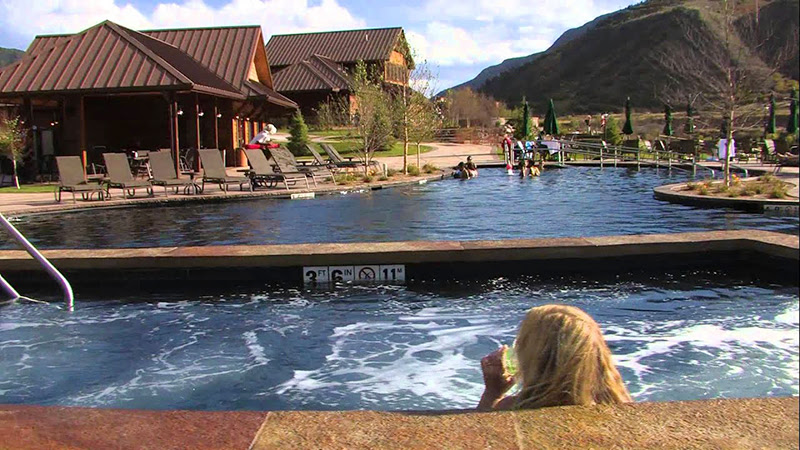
(275, 16)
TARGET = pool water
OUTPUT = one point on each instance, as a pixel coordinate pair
(676, 336)
(575, 201)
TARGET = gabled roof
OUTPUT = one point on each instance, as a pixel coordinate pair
(108, 57)
(227, 51)
(341, 46)
(317, 73)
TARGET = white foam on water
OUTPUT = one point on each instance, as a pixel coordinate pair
(256, 350)
(719, 342)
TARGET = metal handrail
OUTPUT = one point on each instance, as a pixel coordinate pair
(69, 299)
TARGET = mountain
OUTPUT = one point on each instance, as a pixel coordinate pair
(595, 67)
(513, 63)
(9, 55)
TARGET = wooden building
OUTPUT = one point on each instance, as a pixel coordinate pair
(109, 88)
(312, 67)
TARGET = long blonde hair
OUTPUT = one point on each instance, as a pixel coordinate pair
(564, 360)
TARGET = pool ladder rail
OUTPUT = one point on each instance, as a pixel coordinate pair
(69, 299)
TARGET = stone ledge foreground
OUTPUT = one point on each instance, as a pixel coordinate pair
(723, 424)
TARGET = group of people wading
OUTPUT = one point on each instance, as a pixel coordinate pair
(466, 170)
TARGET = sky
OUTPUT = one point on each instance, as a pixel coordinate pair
(456, 38)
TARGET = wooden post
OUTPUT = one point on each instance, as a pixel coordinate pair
(174, 133)
(197, 131)
(216, 124)
(82, 131)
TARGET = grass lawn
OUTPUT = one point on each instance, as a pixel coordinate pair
(334, 133)
(346, 149)
(28, 189)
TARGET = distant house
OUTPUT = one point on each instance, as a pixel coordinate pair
(109, 88)
(310, 68)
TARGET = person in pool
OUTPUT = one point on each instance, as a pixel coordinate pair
(471, 168)
(561, 358)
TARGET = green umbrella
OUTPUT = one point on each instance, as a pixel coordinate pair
(770, 126)
(689, 128)
(668, 119)
(791, 126)
(628, 127)
(526, 119)
(550, 121)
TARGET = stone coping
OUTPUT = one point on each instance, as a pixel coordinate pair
(773, 244)
(723, 423)
(676, 193)
(159, 199)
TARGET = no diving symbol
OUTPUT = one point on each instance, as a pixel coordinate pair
(367, 273)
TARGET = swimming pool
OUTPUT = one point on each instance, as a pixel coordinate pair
(675, 336)
(575, 201)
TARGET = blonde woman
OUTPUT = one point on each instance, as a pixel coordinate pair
(562, 359)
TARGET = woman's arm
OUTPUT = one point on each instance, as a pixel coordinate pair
(497, 382)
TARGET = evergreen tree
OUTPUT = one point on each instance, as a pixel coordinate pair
(298, 135)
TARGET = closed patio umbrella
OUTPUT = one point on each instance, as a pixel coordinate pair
(526, 119)
(628, 127)
(769, 128)
(791, 125)
(667, 120)
(550, 121)
(689, 128)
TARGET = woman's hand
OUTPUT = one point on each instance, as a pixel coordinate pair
(495, 378)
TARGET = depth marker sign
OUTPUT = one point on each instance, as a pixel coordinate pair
(357, 274)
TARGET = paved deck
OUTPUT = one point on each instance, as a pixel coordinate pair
(723, 424)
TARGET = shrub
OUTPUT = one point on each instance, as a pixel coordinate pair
(367, 179)
(413, 170)
(298, 135)
(721, 189)
(383, 178)
(778, 191)
(345, 178)
(429, 168)
(749, 190)
(391, 172)
(690, 186)
(703, 190)
(767, 178)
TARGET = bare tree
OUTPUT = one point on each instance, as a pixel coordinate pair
(373, 113)
(717, 67)
(13, 137)
(417, 119)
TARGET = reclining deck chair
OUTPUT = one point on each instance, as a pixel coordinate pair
(120, 177)
(71, 179)
(262, 171)
(214, 171)
(164, 173)
(320, 161)
(286, 162)
(337, 159)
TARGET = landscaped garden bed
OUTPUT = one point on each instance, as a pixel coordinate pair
(763, 187)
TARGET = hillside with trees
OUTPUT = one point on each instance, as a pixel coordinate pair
(619, 55)
(9, 55)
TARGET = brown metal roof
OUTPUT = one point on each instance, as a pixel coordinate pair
(253, 89)
(317, 73)
(227, 51)
(108, 57)
(341, 46)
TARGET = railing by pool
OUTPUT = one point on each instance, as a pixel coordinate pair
(69, 300)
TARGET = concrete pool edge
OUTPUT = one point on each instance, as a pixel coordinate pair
(159, 200)
(285, 261)
(676, 193)
(718, 423)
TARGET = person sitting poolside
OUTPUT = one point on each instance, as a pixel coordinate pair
(561, 358)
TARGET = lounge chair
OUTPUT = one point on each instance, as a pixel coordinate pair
(164, 174)
(71, 179)
(262, 171)
(286, 162)
(120, 177)
(214, 171)
(337, 159)
(320, 161)
(768, 153)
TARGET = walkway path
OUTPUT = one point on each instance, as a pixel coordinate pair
(444, 155)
